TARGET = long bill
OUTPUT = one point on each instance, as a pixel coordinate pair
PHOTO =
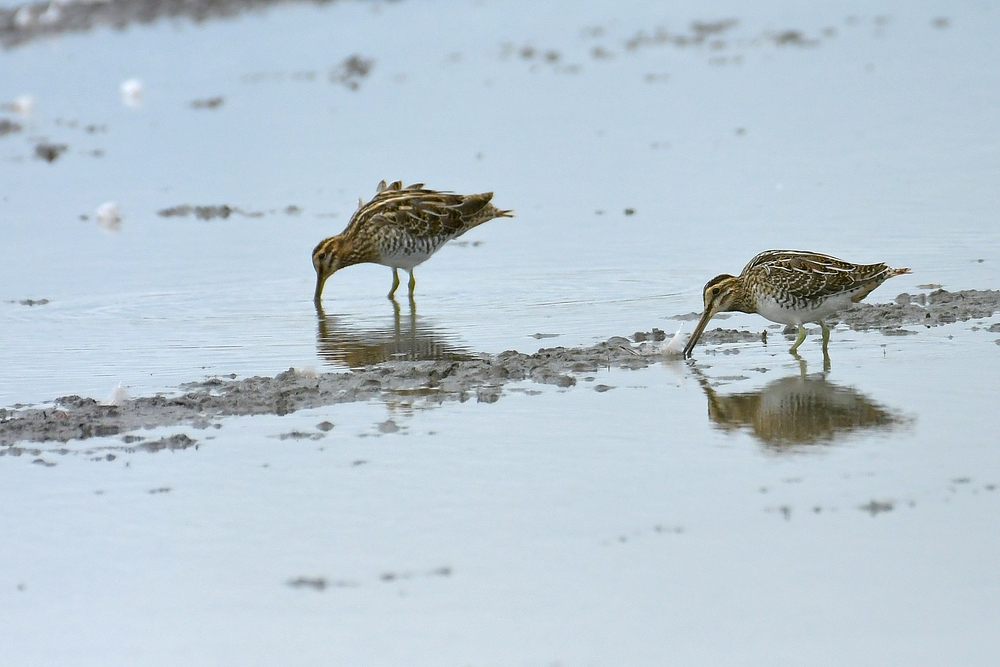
(320, 281)
(696, 334)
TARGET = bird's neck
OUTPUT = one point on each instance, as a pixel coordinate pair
(744, 301)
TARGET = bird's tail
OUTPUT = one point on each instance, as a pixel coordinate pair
(477, 209)
(899, 272)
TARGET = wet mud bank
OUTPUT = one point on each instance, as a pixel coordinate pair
(426, 382)
(33, 20)
(938, 307)
(74, 417)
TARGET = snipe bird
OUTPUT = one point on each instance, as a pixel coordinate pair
(400, 228)
(791, 287)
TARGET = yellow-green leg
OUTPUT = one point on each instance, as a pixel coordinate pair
(798, 341)
(826, 335)
(413, 283)
(395, 282)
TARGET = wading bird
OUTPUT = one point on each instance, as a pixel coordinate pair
(791, 287)
(400, 228)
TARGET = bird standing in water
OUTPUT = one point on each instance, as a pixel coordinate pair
(400, 228)
(791, 287)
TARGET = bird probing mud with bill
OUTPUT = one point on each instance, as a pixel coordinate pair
(401, 228)
(791, 287)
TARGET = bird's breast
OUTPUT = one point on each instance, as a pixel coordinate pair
(407, 252)
(801, 310)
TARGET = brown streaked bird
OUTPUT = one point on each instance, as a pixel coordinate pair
(400, 228)
(791, 287)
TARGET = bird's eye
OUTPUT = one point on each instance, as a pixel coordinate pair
(715, 291)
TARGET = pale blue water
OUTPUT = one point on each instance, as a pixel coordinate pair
(895, 164)
(877, 143)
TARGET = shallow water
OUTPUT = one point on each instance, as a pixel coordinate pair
(705, 514)
(894, 164)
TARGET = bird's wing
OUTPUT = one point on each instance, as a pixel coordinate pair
(810, 275)
(425, 213)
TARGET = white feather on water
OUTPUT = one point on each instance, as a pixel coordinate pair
(666, 348)
(118, 396)
(132, 92)
(109, 216)
(23, 105)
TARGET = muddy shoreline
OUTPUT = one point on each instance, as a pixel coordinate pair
(30, 21)
(203, 403)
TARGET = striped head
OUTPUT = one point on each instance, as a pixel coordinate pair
(328, 257)
(722, 293)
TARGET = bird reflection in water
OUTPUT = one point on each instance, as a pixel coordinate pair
(402, 339)
(798, 410)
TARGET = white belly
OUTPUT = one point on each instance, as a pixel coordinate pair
(406, 260)
(769, 308)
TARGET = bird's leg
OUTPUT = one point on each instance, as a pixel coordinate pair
(395, 282)
(826, 336)
(413, 283)
(798, 341)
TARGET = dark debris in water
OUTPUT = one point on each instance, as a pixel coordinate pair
(876, 507)
(300, 435)
(208, 103)
(8, 127)
(206, 212)
(49, 152)
(315, 583)
(352, 71)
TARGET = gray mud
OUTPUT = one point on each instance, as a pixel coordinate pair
(76, 418)
(30, 21)
(423, 382)
(938, 307)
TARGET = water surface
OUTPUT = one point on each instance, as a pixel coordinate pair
(740, 511)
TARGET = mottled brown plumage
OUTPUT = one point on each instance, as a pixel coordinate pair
(791, 287)
(400, 228)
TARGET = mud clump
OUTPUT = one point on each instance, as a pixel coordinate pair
(937, 308)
